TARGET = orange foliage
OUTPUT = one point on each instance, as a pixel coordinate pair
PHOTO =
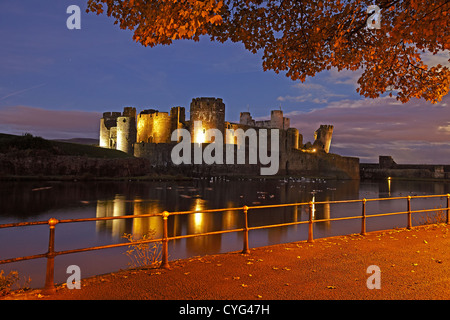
(305, 37)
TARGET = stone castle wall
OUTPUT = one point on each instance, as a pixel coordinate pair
(292, 161)
(149, 136)
(108, 129)
(44, 164)
(323, 136)
(154, 127)
(387, 167)
(211, 112)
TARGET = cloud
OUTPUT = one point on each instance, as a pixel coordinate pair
(415, 132)
(445, 129)
(309, 86)
(441, 58)
(51, 124)
(311, 92)
(300, 98)
(345, 76)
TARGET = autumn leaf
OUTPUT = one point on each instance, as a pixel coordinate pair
(303, 38)
(217, 19)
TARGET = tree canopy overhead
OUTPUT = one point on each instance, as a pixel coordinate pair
(302, 38)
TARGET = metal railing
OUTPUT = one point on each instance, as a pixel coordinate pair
(49, 287)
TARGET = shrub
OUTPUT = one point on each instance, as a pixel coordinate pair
(432, 217)
(143, 254)
(7, 281)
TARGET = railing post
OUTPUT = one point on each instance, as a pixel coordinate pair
(409, 226)
(49, 287)
(448, 208)
(245, 249)
(363, 223)
(310, 230)
(165, 243)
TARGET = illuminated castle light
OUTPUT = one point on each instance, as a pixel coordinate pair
(149, 135)
(122, 131)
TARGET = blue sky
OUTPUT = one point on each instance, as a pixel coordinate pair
(56, 82)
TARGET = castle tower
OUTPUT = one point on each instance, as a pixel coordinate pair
(322, 137)
(144, 128)
(292, 139)
(126, 130)
(246, 118)
(177, 119)
(154, 127)
(277, 121)
(108, 130)
(211, 112)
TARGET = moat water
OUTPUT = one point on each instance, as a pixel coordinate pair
(40, 200)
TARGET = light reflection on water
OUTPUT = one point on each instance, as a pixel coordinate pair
(34, 201)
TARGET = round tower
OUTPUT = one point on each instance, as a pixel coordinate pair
(211, 112)
(126, 130)
(292, 138)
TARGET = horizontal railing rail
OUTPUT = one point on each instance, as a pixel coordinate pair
(49, 287)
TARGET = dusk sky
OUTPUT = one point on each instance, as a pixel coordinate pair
(56, 82)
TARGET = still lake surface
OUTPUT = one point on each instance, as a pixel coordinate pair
(40, 200)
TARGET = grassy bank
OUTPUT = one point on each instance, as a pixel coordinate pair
(27, 142)
(28, 157)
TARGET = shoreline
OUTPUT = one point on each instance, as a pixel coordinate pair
(160, 178)
(169, 177)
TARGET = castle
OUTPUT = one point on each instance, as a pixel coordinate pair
(149, 135)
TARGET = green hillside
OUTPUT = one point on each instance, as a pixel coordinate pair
(10, 143)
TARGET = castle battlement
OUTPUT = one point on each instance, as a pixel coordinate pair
(152, 114)
(111, 114)
(129, 112)
(148, 134)
(138, 134)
